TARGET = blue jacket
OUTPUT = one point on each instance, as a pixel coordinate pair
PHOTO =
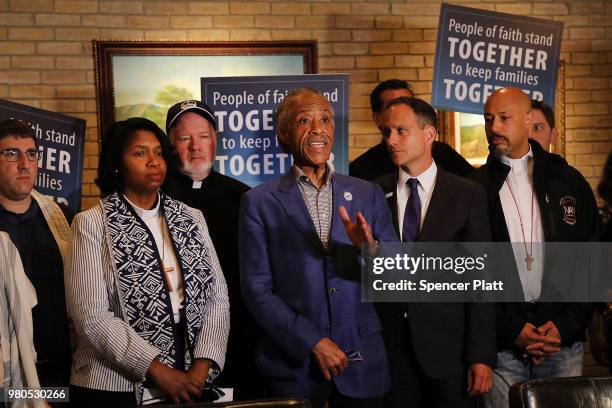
(300, 292)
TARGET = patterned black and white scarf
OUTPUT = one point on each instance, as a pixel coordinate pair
(141, 284)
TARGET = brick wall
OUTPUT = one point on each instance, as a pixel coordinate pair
(46, 53)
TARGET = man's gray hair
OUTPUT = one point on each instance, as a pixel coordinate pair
(283, 111)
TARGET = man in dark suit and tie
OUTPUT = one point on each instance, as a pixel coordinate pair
(300, 268)
(441, 354)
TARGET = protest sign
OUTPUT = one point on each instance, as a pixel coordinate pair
(247, 147)
(60, 141)
(479, 51)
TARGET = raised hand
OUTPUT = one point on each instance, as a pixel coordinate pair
(359, 232)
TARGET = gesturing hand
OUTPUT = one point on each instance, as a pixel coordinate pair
(359, 232)
(176, 384)
(332, 361)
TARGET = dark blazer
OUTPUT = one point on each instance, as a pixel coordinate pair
(376, 162)
(300, 292)
(445, 334)
(554, 180)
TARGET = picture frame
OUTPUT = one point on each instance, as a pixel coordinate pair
(144, 78)
(450, 126)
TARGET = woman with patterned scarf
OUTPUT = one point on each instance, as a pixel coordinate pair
(145, 289)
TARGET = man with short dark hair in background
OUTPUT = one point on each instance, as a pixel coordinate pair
(542, 128)
(534, 197)
(190, 125)
(376, 162)
(433, 363)
(40, 229)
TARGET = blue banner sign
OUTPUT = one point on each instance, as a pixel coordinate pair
(247, 147)
(480, 51)
(61, 141)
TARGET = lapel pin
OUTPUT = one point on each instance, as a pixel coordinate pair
(348, 196)
(389, 195)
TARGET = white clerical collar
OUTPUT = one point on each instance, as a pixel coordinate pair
(427, 179)
(518, 165)
(142, 213)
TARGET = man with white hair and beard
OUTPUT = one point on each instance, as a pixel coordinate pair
(190, 125)
(533, 197)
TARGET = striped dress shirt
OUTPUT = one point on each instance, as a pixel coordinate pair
(317, 200)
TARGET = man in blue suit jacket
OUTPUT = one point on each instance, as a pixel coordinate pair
(300, 270)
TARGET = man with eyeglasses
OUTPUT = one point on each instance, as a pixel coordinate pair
(39, 228)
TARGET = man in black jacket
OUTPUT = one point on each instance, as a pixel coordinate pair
(533, 197)
(440, 354)
(191, 128)
(376, 162)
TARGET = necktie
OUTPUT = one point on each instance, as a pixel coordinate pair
(412, 215)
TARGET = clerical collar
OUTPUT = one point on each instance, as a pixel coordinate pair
(143, 213)
(520, 164)
(197, 184)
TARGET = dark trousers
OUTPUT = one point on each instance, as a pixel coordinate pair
(327, 391)
(240, 372)
(90, 398)
(412, 387)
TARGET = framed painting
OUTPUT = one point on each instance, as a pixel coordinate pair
(465, 131)
(145, 78)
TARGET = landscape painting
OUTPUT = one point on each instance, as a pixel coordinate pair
(145, 78)
(147, 86)
(473, 140)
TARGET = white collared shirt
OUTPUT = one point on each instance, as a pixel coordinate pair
(427, 181)
(154, 221)
(522, 187)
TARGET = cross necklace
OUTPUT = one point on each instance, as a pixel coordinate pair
(167, 269)
(529, 257)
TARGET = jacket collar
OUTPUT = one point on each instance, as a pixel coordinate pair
(290, 198)
(499, 170)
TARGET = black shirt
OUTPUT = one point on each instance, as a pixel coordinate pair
(42, 262)
(218, 197)
(219, 200)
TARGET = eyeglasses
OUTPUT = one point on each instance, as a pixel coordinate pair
(12, 155)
